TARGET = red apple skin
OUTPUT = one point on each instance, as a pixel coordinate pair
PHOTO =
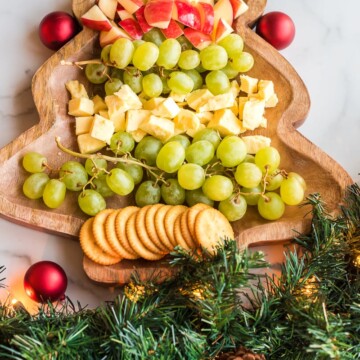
(187, 14)
(123, 14)
(132, 27)
(95, 19)
(131, 6)
(197, 38)
(207, 17)
(222, 30)
(145, 27)
(173, 31)
(157, 13)
(223, 10)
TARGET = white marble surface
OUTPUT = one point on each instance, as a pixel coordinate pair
(325, 53)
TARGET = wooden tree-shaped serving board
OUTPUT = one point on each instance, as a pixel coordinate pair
(322, 174)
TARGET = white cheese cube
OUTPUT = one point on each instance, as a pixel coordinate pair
(186, 119)
(234, 88)
(161, 128)
(179, 98)
(102, 129)
(226, 123)
(118, 119)
(218, 102)
(83, 124)
(129, 98)
(138, 134)
(89, 145)
(193, 132)
(134, 118)
(265, 89)
(81, 107)
(253, 112)
(99, 104)
(105, 114)
(256, 142)
(205, 116)
(167, 108)
(248, 84)
(76, 89)
(198, 98)
(153, 103)
(272, 101)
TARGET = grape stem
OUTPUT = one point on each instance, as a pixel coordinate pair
(81, 63)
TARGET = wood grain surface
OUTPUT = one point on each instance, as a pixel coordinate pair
(322, 174)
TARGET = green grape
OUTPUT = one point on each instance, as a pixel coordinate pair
(180, 83)
(291, 191)
(73, 175)
(208, 134)
(184, 42)
(191, 176)
(271, 206)
(121, 143)
(273, 182)
(182, 139)
(91, 202)
(193, 197)
(218, 187)
(229, 71)
(112, 86)
(133, 77)
(217, 82)
(116, 73)
(97, 73)
(169, 53)
(120, 182)
(200, 152)
(100, 185)
(252, 195)
(95, 166)
(200, 69)
(241, 61)
(189, 59)
(196, 78)
(121, 53)
(34, 185)
(137, 43)
(232, 43)
(172, 193)
(54, 193)
(248, 175)
(231, 151)
(267, 159)
(152, 85)
(155, 36)
(145, 56)
(105, 54)
(166, 90)
(148, 193)
(33, 162)
(298, 177)
(213, 57)
(249, 158)
(234, 207)
(136, 171)
(147, 150)
(170, 157)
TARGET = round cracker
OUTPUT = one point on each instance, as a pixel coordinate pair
(169, 221)
(151, 228)
(211, 229)
(120, 228)
(185, 231)
(178, 235)
(90, 247)
(159, 222)
(113, 239)
(136, 243)
(191, 216)
(99, 231)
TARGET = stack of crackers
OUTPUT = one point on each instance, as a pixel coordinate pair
(152, 232)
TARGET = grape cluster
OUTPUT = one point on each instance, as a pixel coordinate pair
(209, 169)
(155, 65)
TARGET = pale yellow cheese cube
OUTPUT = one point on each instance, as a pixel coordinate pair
(226, 123)
(193, 132)
(102, 129)
(138, 134)
(248, 84)
(105, 114)
(167, 108)
(198, 98)
(186, 119)
(218, 102)
(118, 119)
(263, 122)
(89, 145)
(161, 128)
(256, 142)
(179, 98)
(265, 89)
(252, 114)
(134, 118)
(235, 107)
(153, 103)
(242, 101)
(129, 98)
(234, 88)
(205, 116)
(83, 124)
(76, 89)
(272, 101)
(99, 104)
(81, 107)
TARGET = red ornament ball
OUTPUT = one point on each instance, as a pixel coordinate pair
(56, 29)
(45, 281)
(277, 29)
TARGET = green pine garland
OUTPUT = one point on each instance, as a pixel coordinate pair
(215, 305)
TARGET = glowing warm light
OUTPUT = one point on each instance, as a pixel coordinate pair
(14, 301)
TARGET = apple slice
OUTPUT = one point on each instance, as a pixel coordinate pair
(145, 27)
(131, 6)
(186, 14)
(132, 27)
(123, 14)
(108, 7)
(222, 30)
(197, 38)
(158, 13)
(206, 12)
(239, 7)
(109, 37)
(95, 19)
(173, 31)
(223, 10)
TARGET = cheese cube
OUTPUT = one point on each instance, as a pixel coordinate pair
(263, 123)
(99, 104)
(248, 84)
(129, 98)
(198, 98)
(134, 118)
(253, 112)
(118, 119)
(234, 88)
(205, 116)
(89, 145)
(104, 113)
(179, 98)
(186, 119)
(138, 135)
(235, 107)
(193, 132)
(218, 102)
(102, 129)
(81, 107)
(161, 128)
(167, 108)
(272, 101)
(226, 123)
(76, 89)
(255, 142)
(153, 103)
(83, 124)
(242, 101)
(265, 89)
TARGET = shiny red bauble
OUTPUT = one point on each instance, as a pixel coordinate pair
(45, 281)
(56, 29)
(277, 29)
